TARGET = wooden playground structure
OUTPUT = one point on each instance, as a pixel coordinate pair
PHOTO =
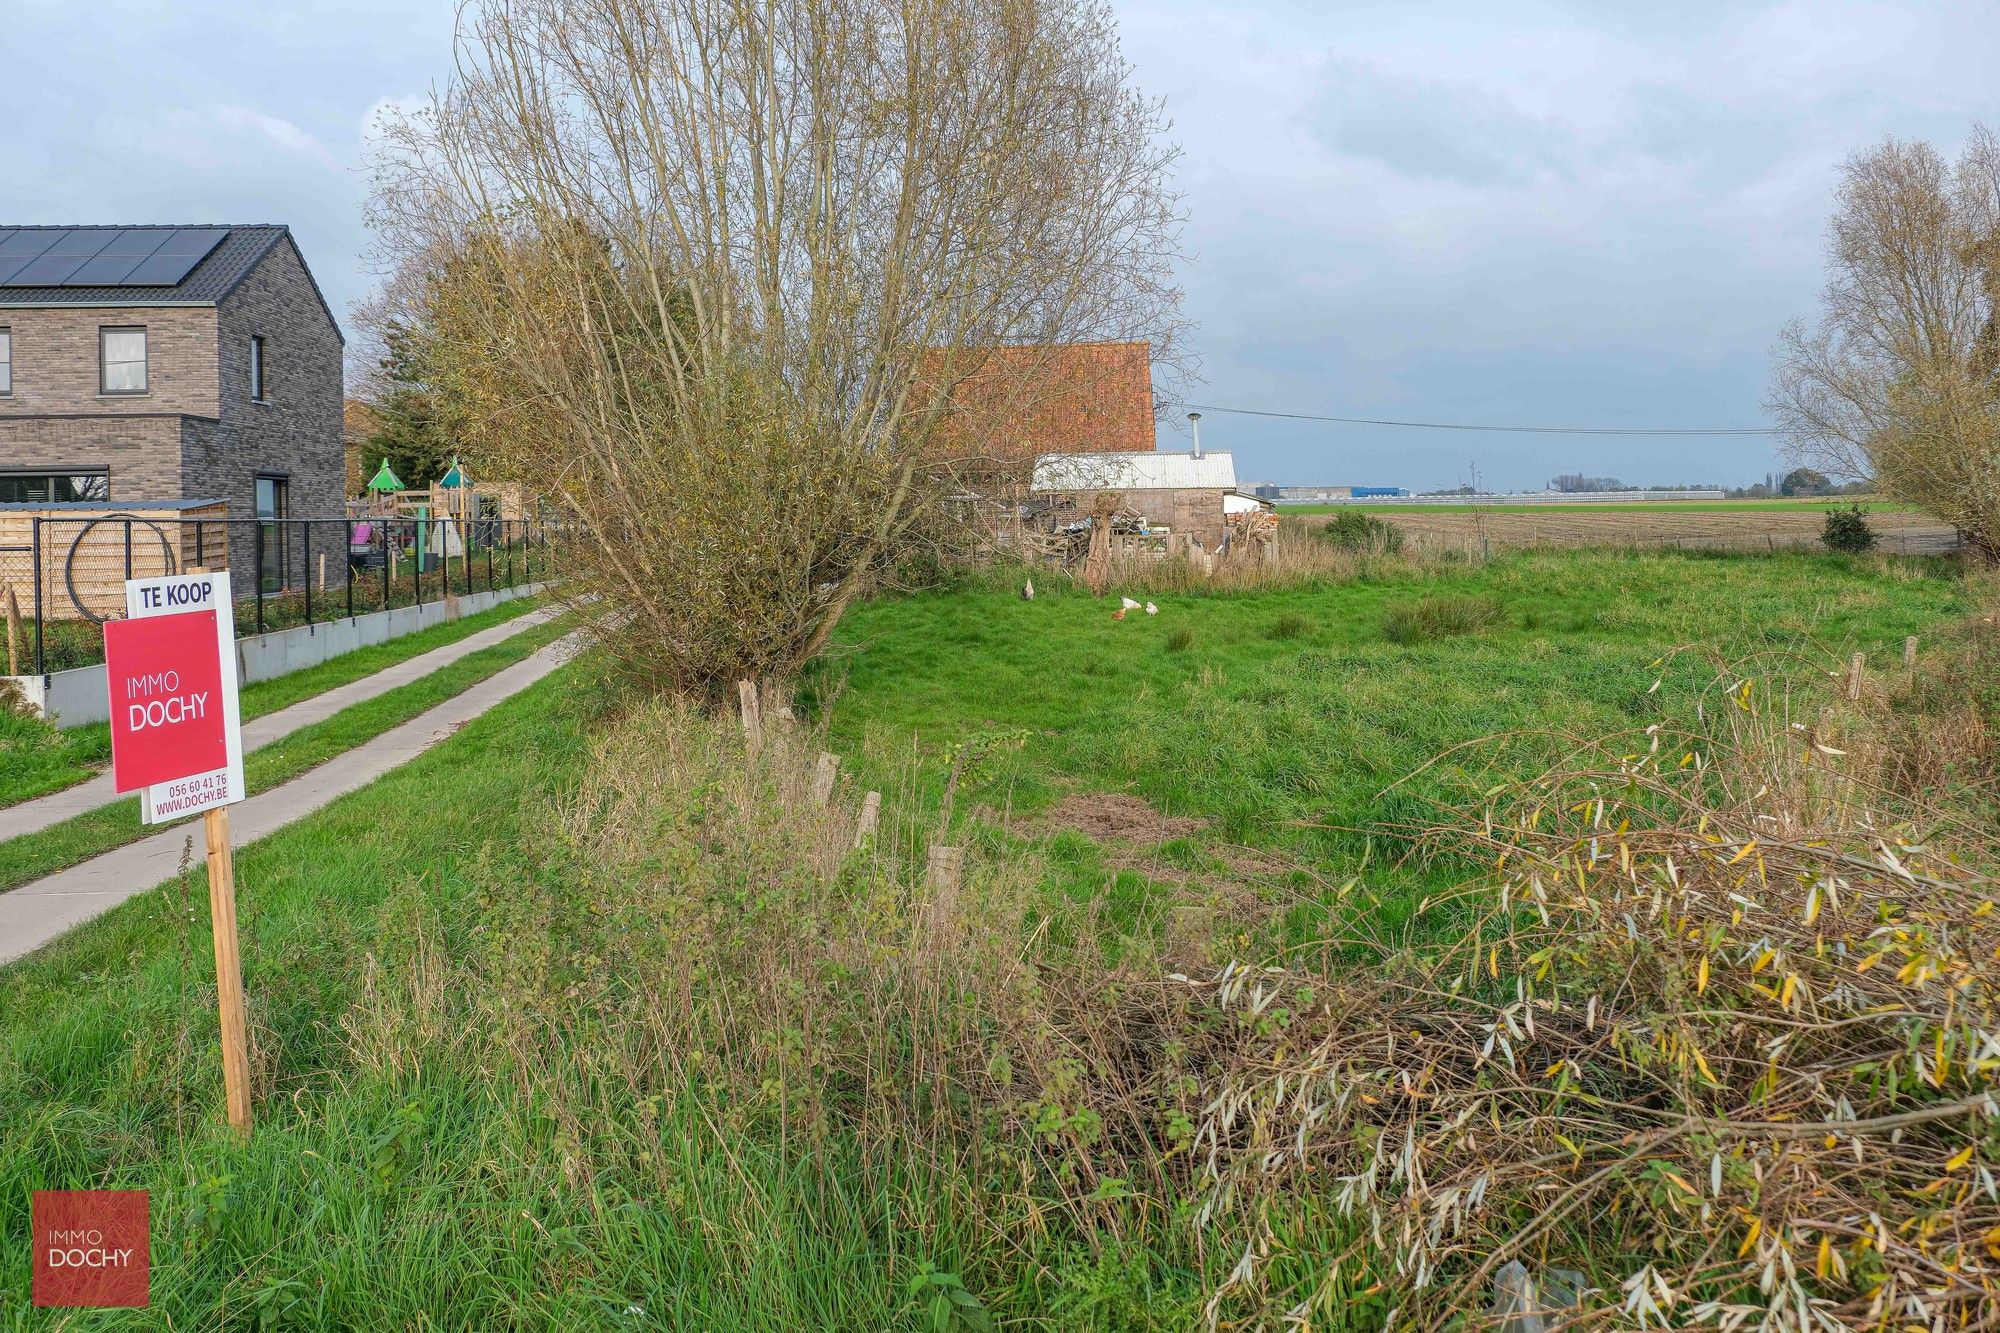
(447, 520)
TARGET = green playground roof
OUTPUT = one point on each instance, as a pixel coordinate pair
(455, 477)
(385, 480)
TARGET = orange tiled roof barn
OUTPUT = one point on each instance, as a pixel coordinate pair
(1084, 397)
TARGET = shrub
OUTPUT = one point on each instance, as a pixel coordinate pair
(1290, 625)
(1439, 616)
(1180, 639)
(1352, 530)
(1847, 530)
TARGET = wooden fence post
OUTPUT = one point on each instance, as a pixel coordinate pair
(13, 632)
(322, 571)
(753, 721)
(871, 814)
(941, 878)
(824, 774)
(1910, 652)
(228, 967)
(1854, 668)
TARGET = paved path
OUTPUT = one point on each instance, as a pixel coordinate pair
(36, 913)
(18, 821)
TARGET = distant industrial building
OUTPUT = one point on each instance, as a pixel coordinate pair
(1324, 494)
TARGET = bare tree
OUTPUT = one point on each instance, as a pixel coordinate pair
(1897, 379)
(707, 270)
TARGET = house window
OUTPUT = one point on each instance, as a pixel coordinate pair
(257, 368)
(121, 360)
(6, 362)
(54, 487)
(274, 543)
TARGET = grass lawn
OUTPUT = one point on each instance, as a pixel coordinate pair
(1282, 716)
(109, 1077)
(40, 759)
(100, 830)
(402, 1178)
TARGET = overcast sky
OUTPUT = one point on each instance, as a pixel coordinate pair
(1486, 212)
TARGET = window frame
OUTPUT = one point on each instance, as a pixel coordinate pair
(52, 475)
(7, 360)
(145, 362)
(274, 532)
(260, 369)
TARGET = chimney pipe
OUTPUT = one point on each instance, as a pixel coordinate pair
(1194, 421)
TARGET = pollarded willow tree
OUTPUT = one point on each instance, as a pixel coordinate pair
(706, 272)
(1899, 379)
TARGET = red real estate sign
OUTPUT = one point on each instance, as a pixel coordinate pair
(167, 715)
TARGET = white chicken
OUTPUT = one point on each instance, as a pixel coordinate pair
(1152, 610)
(1028, 591)
(1130, 605)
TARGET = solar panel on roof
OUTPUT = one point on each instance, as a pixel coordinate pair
(176, 258)
(20, 250)
(28, 241)
(60, 260)
(127, 250)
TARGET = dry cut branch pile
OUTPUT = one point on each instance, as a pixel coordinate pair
(1720, 1034)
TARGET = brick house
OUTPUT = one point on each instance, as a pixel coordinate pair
(170, 364)
(1009, 405)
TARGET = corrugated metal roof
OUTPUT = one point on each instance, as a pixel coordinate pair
(1135, 472)
(206, 283)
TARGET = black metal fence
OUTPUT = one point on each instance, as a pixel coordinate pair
(69, 577)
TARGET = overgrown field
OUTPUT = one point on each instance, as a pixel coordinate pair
(588, 1019)
(1286, 718)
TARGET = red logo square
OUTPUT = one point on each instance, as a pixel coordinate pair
(165, 674)
(92, 1247)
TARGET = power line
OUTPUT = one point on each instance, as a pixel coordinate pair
(1510, 430)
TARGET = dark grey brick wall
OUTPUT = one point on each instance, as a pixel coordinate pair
(296, 432)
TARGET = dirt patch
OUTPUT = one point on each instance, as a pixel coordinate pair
(1115, 817)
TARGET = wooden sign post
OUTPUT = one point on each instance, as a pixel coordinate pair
(177, 736)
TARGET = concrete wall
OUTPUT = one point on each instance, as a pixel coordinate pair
(80, 697)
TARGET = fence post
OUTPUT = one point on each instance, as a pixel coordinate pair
(258, 574)
(941, 878)
(306, 567)
(871, 814)
(1854, 666)
(13, 632)
(388, 594)
(128, 551)
(347, 563)
(753, 722)
(35, 538)
(824, 776)
(417, 562)
(1910, 652)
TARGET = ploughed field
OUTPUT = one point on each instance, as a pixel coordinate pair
(1750, 527)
